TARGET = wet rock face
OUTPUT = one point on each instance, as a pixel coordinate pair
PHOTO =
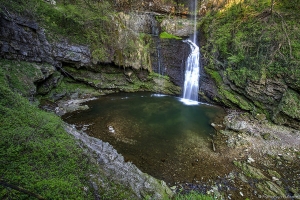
(207, 87)
(178, 26)
(269, 92)
(64, 52)
(139, 22)
(275, 97)
(23, 39)
(169, 57)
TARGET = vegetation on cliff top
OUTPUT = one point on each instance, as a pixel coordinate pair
(92, 23)
(252, 42)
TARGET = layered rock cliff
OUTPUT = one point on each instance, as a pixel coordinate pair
(244, 64)
(135, 51)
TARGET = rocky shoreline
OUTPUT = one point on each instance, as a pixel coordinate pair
(266, 159)
(113, 166)
(263, 159)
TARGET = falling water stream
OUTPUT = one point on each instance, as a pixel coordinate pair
(191, 82)
(191, 79)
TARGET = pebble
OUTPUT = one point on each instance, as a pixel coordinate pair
(173, 188)
(250, 160)
(111, 129)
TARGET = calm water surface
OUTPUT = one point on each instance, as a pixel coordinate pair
(159, 134)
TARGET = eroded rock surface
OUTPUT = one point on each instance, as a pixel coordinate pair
(116, 169)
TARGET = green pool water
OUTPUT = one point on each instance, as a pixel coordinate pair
(160, 134)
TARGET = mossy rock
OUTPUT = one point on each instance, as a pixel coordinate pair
(165, 35)
(49, 83)
(23, 76)
(266, 136)
(250, 171)
(271, 189)
(274, 173)
(290, 104)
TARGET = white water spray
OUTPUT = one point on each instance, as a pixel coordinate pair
(191, 82)
(191, 79)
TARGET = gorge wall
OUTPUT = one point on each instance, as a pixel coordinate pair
(243, 65)
(251, 52)
(136, 52)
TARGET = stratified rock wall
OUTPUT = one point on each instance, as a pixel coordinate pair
(23, 39)
(137, 46)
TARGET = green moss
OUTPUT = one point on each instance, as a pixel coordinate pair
(250, 171)
(157, 75)
(36, 153)
(290, 104)
(237, 100)
(21, 76)
(165, 35)
(271, 189)
(215, 75)
(68, 86)
(193, 195)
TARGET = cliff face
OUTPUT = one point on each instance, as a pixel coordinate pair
(254, 60)
(134, 51)
(23, 39)
(249, 63)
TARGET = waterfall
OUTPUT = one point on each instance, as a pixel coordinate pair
(191, 79)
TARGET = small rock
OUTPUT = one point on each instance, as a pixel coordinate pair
(288, 158)
(111, 129)
(278, 183)
(173, 187)
(260, 117)
(250, 160)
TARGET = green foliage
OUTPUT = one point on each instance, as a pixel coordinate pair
(215, 75)
(38, 155)
(22, 75)
(165, 35)
(81, 21)
(246, 42)
(157, 75)
(247, 35)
